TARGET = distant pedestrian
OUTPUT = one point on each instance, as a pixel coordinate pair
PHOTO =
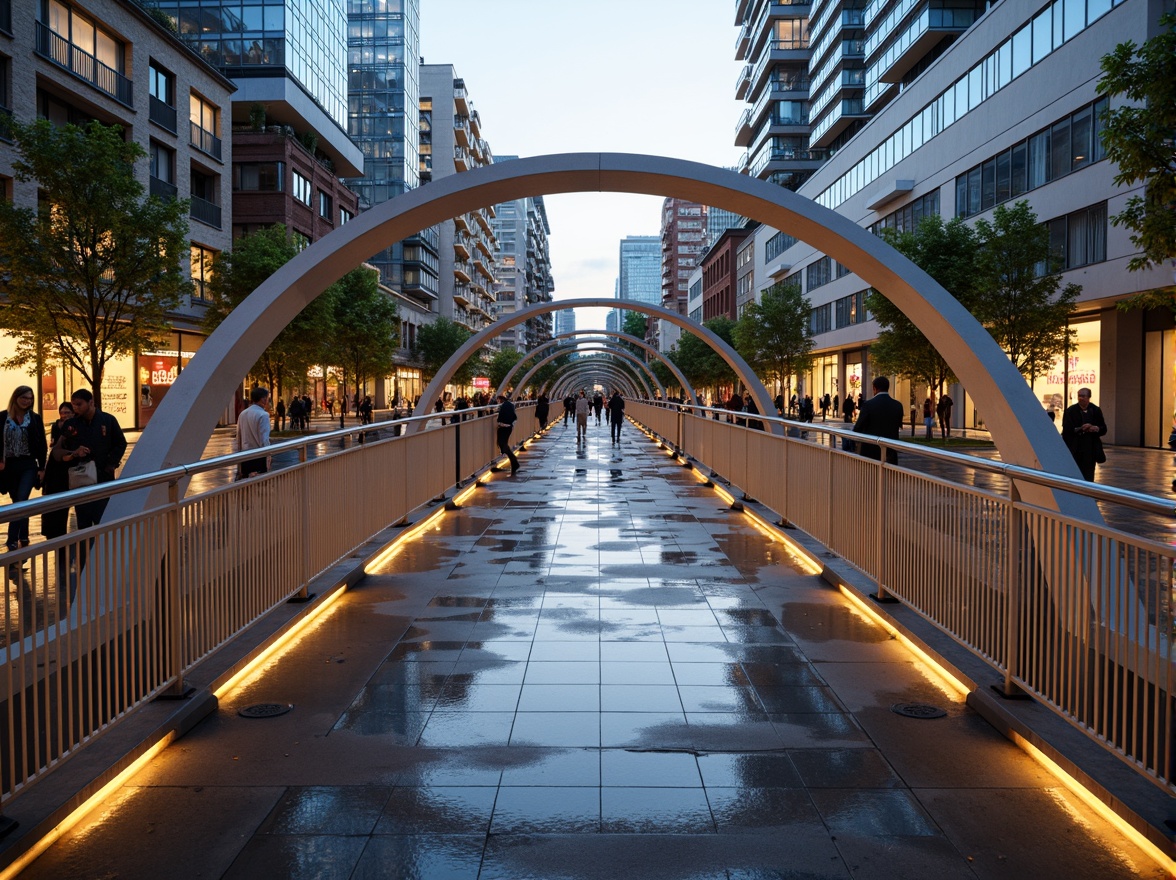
(597, 405)
(542, 410)
(1083, 427)
(253, 432)
(583, 406)
(943, 411)
(616, 415)
(280, 415)
(881, 416)
(825, 404)
(366, 411)
(506, 419)
(23, 465)
(928, 417)
(849, 409)
(569, 403)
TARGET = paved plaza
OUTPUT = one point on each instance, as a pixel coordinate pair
(594, 669)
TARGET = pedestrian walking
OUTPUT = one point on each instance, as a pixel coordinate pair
(882, 417)
(253, 432)
(23, 465)
(1083, 427)
(506, 419)
(597, 405)
(583, 406)
(848, 409)
(280, 415)
(569, 403)
(928, 417)
(96, 437)
(943, 411)
(616, 415)
(542, 410)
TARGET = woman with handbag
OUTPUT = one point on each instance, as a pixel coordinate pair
(25, 450)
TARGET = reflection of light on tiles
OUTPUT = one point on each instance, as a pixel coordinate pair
(95, 800)
(1076, 788)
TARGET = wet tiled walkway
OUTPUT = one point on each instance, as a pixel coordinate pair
(593, 670)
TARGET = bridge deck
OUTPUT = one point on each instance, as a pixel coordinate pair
(593, 670)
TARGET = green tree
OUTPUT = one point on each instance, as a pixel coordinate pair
(437, 342)
(502, 362)
(94, 273)
(665, 376)
(947, 252)
(1139, 139)
(1018, 299)
(775, 335)
(700, 364)
(634, 324)
(237, 273)
(365, 328)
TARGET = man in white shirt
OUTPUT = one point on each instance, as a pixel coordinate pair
(583, 406)
(253, 432)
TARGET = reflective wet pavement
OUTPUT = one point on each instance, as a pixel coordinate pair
(593, 670)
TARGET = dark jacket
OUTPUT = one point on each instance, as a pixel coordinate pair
(507, 415)
(1085, 446)
(881, 416)
(542, 408)
(616, 409)
(103, 436)
(38, 446)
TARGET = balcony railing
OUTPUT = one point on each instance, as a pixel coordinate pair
(65, 54)
(162, 114)
(206, 212)
(205, 141)
(162, 189)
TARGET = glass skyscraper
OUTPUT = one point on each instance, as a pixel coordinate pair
(640, 271)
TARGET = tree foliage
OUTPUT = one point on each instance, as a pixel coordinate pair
(1140, 139)
(94, 273)
(775, 335)
(502, 362)
(634, 324)
(437, 342)
(365, 328)
(702, 366)
(948, 253)
(237, 273)
(1019, 300)
(665, 375)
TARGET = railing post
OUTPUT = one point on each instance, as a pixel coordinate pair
(1013, 525)
(174, 613)
(457, 453)
(303, 594)
(881, 595)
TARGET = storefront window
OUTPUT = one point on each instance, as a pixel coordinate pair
(1080, 369)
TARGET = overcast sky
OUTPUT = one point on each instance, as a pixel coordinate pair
(625, 76)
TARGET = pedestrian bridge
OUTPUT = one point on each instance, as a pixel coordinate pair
(659, 657)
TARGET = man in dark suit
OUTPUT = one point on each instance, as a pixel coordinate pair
(1083, 427)
(881, 416)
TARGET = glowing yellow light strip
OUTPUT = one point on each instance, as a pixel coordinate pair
(954, 683)
(1078, 790)
(63, 827)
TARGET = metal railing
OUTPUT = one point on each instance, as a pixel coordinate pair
(205, 141)
(98, 622)
(205, 211)
(65, 54)
(1074, 612)
(161, 188)
(162, 114)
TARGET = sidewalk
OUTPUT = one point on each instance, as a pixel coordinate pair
(595, 669)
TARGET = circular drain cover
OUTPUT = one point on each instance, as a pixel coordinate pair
(917, 710)
(265, 710)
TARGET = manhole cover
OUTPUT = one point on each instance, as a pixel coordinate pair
(265, 710)
(917, 710)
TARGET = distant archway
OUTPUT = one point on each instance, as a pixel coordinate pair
(591, 346)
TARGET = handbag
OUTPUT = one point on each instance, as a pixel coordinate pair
(83, 474)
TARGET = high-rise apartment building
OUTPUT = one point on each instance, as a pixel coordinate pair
(683, 240)
(524, 267)
(640, 270)
(971, 108)
(467, 249)
(774, 43)
(113, 62)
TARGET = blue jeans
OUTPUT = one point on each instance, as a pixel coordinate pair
(21, 476)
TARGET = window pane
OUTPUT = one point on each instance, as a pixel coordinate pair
(1003, 182)
(1018, 184)
(1057, 244)
(1075, 17)
(1059, 150)
(974, 191)
(1099, 109)
(1038, 159)
(961, 208)
(1022, 50)
(988, 185)
(1042, 35)
(1096, 9)
(1081, 131)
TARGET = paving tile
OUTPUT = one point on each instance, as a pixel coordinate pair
(421, 857)
(639, 698)
(546, 810)
(619, 767)
(297, 857)
(455, 729)
(320, 810)
(552, 766)
(566, 672)
(560, 729)
(655, 810)
(560, 698)
(437, 810)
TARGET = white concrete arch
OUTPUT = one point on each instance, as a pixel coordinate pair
(584, 346)
(574, 380)
(625, 337)
(185, 418)
(627, 356)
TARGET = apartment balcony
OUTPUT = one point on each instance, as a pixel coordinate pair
(162, 114)
(793, 51)
(161, 188)
(463, 271)
(461, 130)
(484, 247)
(743, 82)
(462, 293)
(64, 54)
(483, 268)
(792, 87)
(483, 221)
(206, 142)
(743, 129)
(764, 27)
(460, 98)
(923, 34)
(459, 248)
(786, 159)
(743, 41)
(461, 223)
(205, 211)
(839, 118)
(461, 158)
(475, 124)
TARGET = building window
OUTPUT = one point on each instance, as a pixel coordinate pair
(325, 206)
(204, 117)
(1050, 154)
(818, 273)
(302, 189)
(81, 46)
(851, 309)
(201, 262)
(1079, 239)
(822, 319)
(163, 171)
(345, 216)
(259, 176)
(301, 240)
(906, 218)
(777, 244)
(162, 85)
(204, 203)
(5, 85)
